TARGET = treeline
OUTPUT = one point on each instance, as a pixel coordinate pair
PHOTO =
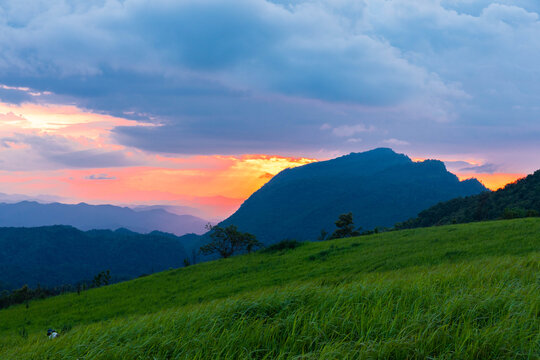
(26, 294)
(517, 200)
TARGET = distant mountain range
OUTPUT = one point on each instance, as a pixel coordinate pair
(519, 199)
(380, 188)
(58, 255)
(87, 217)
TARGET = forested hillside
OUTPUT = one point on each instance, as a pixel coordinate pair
(519, 199)
(57, 255)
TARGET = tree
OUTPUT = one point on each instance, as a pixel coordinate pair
(101, 279)
(252, 243)
(345, 227)
(323, 235)
(226, 241)
(194, 258)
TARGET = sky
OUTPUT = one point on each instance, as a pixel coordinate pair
(199, 102)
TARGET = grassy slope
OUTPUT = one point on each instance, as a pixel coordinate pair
(462, 291)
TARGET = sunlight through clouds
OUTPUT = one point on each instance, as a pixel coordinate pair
(181, 90)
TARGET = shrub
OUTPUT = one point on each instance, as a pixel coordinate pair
(345, 227)
(513, 213)
(533, 213)
(284, 245)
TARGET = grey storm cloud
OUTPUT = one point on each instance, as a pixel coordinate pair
(252, 75)
(13, 96)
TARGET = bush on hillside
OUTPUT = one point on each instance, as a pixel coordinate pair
(284, 245)
(533, 213)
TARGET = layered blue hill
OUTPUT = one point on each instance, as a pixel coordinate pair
(86, 217)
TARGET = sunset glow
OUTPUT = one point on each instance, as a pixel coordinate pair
(131, 112)
(55, 118)
(471, 168)
(493, 181)
(216, 184)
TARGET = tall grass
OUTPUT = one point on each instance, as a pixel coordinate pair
(465, 292)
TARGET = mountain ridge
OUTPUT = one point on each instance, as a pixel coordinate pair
(379, 186)
(518, 199)
(87, 217)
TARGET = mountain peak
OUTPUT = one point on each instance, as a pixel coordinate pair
(380, 150)
(380, 187)
(433, 164)
(377, 152)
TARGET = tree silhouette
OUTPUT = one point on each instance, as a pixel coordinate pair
(345, 227)
(226, 241)
(101, 279)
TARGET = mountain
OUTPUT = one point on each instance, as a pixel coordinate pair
(451, 292)
(57, 255)
(380, 188)
(519, 199)
(173, 209)
(87, 217)
(14, 198)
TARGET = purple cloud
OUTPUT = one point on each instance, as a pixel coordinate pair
(99, 177)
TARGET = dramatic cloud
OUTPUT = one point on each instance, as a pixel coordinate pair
(48, 137)
(235, 77)
(110, 84)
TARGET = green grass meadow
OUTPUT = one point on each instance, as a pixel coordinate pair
(454, 292)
